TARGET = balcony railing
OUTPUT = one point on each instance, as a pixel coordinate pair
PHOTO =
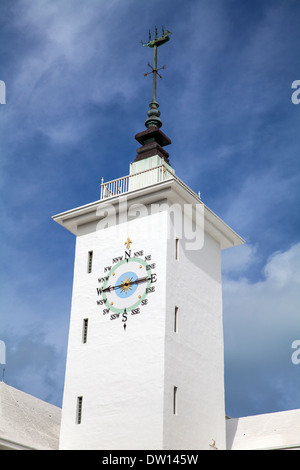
(140, 180)
(135, 181)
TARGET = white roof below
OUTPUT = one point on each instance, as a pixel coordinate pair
(266, 431)
(27, 422)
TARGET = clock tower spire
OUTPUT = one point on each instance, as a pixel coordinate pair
(153, 139)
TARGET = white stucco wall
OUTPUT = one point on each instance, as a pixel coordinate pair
(127, 378)
(194, 360)
(119, 373)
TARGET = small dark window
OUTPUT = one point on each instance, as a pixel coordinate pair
(79, 410)
(175, 390)
(90, 261)
(85, 330)
(177, 249)
(176, 320)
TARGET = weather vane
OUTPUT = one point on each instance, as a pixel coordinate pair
(153, 113)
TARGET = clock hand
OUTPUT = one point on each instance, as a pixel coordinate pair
(137, 281)
(142, 279)
(108, 289)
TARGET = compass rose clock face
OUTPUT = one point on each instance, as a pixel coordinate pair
(127, 284)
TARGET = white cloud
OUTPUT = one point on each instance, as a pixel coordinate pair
(69, 65)
(238, 259)
(35, 366)
(283, 268)
(261, 320)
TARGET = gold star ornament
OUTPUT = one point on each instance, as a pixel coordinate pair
(126, 284)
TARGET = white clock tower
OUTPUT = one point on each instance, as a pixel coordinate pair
(145, 363)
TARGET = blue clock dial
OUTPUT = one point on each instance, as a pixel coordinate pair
(127, 285)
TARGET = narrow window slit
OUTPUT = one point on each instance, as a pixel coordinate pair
(90, 261)
(176, 320)
(177, 249)
(79, 410)
(85, 330)
(175, 390)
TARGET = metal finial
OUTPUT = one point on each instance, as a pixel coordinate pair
(153, 113)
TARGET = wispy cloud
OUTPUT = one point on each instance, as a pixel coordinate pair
(261, 321)
(35, 365)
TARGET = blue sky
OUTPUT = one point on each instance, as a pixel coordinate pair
(75, 98)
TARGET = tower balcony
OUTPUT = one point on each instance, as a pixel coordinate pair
(138, 180)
